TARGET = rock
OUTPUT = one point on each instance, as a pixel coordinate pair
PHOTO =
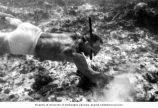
(31, 77)
(83, 99)
(147, 87)
(140, 6)
(149, 77)
(13, 97)
(40, 81)
(3, 97)
(2, 74)
(85, 7)
(34, 95)
(140, 97)
(2, 80)
(153, 44)
(151, 98)
(7, 91)
(52, 98)
(156, 92)
(19, 82)
(59, 99)
(74, 80)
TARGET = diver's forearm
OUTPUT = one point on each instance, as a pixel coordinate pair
(13, 21)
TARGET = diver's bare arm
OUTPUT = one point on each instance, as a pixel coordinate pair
(5, 15)
(10, 19)
(81, 64)
(13, 21)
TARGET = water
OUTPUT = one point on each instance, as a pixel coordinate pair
(121, 89)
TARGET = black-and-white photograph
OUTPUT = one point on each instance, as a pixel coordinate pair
(78, 51)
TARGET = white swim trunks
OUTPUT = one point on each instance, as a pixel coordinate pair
(24, 39)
